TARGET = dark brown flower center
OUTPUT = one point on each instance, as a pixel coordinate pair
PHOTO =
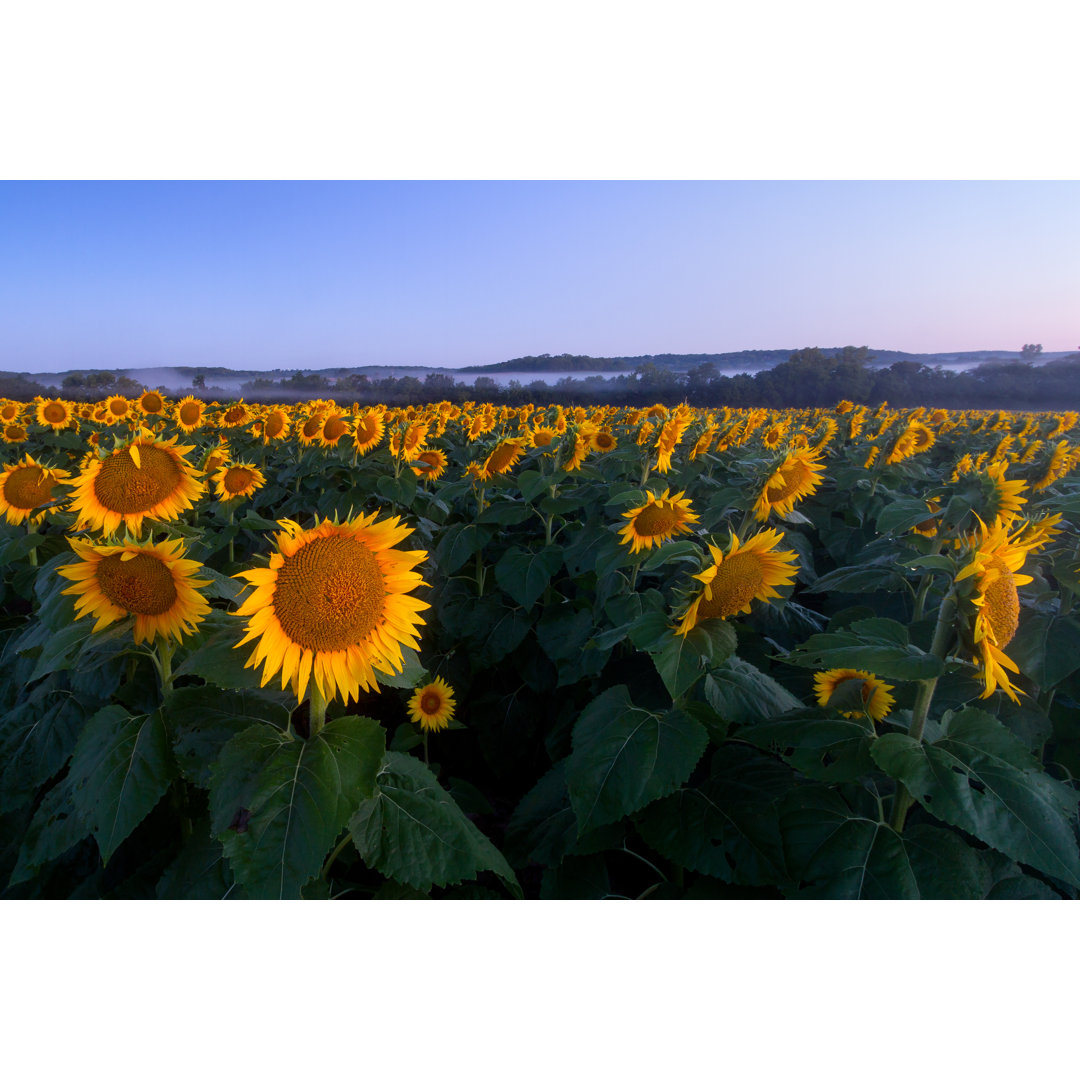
(142, 585)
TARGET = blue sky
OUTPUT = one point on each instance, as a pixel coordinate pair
(267, 274)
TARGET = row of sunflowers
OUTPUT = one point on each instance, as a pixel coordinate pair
(476, 651)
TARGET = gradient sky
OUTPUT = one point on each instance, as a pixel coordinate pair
(267, 274)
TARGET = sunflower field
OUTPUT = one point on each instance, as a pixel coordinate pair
(329, 651)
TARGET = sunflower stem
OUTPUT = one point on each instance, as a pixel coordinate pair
(228, 525)
(342, 845)
(166, 648)
(31, 528)
(923, 696)
(924, 586)
(426, 759)
(316, 710)
(479, 575)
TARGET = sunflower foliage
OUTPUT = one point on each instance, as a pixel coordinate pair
(330, 650)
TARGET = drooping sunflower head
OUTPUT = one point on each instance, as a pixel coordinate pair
(54, 413)
(153, 582)
(995, 561)
(659, 519)
(843, 686)
(745, 572)
(1000, 499)
(432, 705)
(504, 457)
(237, 480)
(333, 605)
(797, 476)
(188, 414)
(429, 464)
(147, 478)
(24, 486)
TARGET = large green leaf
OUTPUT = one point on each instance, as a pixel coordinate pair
(524, 575)
(56, 827)
(879, 646)
(843, 855)
(202, 719)
(121, 767)
(278, 803)
(743, 694)
(411, 830)
(681, 659)
(979, 777)
(1046, 648)
(199, 872)
(624, 757)
(214, 656)
(458, 544)
(822, 746)
(36, 740)
(725, 826)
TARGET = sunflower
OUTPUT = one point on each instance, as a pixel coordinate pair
(310, 430)
(26, 485)
(603, 441)
(151, 403)
(188, 414)
(579, 453)
(237, 480)
(797, 476)
(333, 603)
(1003, 499)
(747, 571)
(10, 411)
(412, 441)
(659, 519)
(14, 433)
(153, 582)
(996, 558)
(235, 415)
(432, 706)
(876, 695)
(117, 407)
(543, 436)
(1056, 467)
(368, 431)
(333, 428)
(504, 457)
(275, 425)
(433, 464)
(670, 436)
(54, 413)
(147, 478)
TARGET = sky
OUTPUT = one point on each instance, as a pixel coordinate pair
(261, 274)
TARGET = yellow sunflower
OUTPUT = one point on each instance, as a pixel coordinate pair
(153, 582)
(188, 414)
(429, 464)
(412, 441)
(235, 415)
(237, 480)
(10, 411)
(876, 695)
(659, 519)
(797, 476)
(543, 436)
(747, 571)
(275, 425)
(151, 403)
(368, 431)
(432, 706)
(603, 441)
(147, 478)
(14, 433)
(310, 430)
(333, 428)
(1002, 497)
(117, 407)
(670, 436)
(54, 413)
(24, 486)
(996, 558)
(333, 604)
(504, 457)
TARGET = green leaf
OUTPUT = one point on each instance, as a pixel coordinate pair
(458, 544)
(742, 694)
(505, 512)
(61, 648)
(682, 658)
(871, 645)
(411, 830)
(843, 855)
(902, 515)
(399, 490)
(56, 827)
(624, 757)
(199, 872)
(858, 579)
(823, 747)
(202, 719)
(1046, 648)
(981, 778)
(36, 740)
(524, 575)
(685, 550)
(215, 658)
(725, 826)
(531, 484)
(119, 771)
(278, 803)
